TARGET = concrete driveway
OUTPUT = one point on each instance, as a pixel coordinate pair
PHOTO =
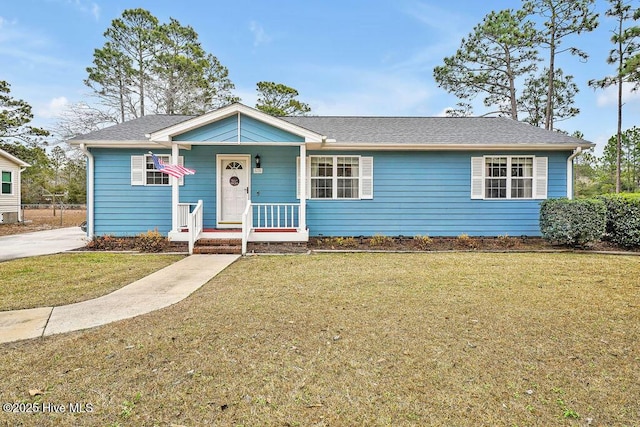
(41, 243)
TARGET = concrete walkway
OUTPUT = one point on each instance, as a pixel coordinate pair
(41, 243)
(160, 289)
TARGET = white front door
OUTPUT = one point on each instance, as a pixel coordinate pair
(233, 189)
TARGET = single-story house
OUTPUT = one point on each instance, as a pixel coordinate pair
(264, 178)
(11, 168)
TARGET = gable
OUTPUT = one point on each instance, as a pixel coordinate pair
(238, 128)
(9, 160)
(245, 123)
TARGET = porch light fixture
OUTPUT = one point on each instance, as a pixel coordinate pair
(257, 157)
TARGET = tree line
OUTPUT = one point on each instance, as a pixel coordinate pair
(500, 62)
(144, 67)
(150, 67)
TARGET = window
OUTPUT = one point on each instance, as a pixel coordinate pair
(144, 172)
(6, 182)
(509, 177)
(335, 177)
(154, 176)
(521, 177)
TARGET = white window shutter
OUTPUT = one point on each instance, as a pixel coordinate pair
(181, 163)
(299, 180)
(137, 170)
(366, 177)
(541, 171)
(477, 177)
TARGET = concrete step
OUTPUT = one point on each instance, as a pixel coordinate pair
(219, 242)
(218, 249)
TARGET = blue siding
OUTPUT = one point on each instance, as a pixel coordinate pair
(429, 193)
(224, 130)
(414, 193)
(123, 209)
(251, 130)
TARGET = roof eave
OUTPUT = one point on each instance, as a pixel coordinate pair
(14, 159)
(94, 143)
(385, 146)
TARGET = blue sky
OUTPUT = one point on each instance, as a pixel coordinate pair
(355, 57)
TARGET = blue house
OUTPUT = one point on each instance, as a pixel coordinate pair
(260, 178)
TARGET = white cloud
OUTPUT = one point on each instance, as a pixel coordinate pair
(259, 35)
(53, 108)
(95, 11)
(609, 96)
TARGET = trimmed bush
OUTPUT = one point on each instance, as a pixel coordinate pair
(623, 219)
(576, 223)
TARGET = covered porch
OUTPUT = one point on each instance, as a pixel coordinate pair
(246, 183)
(261, 222)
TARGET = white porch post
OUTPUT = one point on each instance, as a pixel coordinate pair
(303, 188)
(175, 189)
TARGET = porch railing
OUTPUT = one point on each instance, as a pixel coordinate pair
(277, 215)
(184, 209)
(269, 216)
(195, 225)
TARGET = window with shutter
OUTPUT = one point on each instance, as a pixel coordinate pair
(508, 177)
(337, 177)
(144, 172)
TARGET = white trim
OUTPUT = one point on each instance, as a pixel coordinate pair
(301, 182)
(389, 146)
(175, 188)
(90, 191)
(334, 177)
(218, 185)
(167, 134)
(14, 159)
(12, 177)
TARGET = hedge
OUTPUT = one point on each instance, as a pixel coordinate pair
(623, 219)
(573, 222)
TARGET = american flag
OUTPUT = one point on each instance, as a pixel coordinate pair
(175, 171)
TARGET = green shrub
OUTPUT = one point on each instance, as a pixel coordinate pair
(572, 222)
(623, 219)
(151, 241)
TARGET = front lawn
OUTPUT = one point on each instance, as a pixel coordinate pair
(54, 280)
(439, 339)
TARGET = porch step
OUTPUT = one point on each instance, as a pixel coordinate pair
(218, 246)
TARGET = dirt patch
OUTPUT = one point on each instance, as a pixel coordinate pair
(44, 219)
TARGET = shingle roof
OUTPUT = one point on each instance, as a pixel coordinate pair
(431, 130)
(133, 130)
(374, 130)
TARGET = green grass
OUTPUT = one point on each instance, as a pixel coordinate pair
(67, 278)
(360, 339)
